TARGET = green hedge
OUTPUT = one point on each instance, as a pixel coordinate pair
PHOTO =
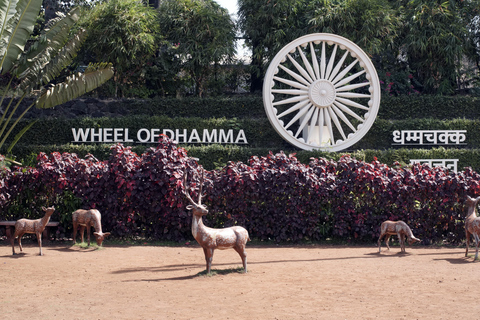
(258, 131)
(247, 113)
(251, 106)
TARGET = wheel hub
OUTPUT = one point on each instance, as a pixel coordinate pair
(322, 93)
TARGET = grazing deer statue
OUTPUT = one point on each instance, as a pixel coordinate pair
(399, 228)
(472, 224)
(37, 226)
(88, 218)
(209, 238)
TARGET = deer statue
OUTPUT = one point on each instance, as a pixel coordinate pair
(209, 238)
(472, 224)
(37, 226)
(88, 218)
(399, 228)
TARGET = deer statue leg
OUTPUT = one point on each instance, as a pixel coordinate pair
(75, 226)
(208, 258)
(379, 242)
(20, 235)
(401, 237)
(39, 239)
(387, 240)
(477, 240)
(243, 255)
(88, 234)
(467, 234)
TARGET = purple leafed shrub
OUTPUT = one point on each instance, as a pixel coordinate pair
(274, 197)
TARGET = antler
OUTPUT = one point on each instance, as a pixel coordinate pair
(187, 194)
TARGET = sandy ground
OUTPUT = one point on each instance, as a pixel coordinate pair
(293, 282)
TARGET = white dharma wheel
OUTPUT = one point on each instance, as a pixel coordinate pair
(321, 91)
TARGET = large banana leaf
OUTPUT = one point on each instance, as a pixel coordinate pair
(51, 40)
(43, 73)
(17, 31)
(7, 11)
(75, 85)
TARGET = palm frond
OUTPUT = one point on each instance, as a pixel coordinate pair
(43, 73)
(17, 31)
(51, 40)
(75, 85)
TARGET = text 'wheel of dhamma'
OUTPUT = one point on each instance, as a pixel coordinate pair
(321, 91)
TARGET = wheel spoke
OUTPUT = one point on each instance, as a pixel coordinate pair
(314, 61)
(302, 71)
(344, 72)
(352, 95)
(323, 61)
(329, 125)
(306, 64)
(338, 66)
(331, 61)
(334, 117)
(344, 119)
(290, 91)
(346, 109)
(347, 80)
(294, 108)
(305, 120)
(313, 124)
(291, 83)
(352, 103)
(352, 86)
(295, 75)
(290, 100)
(298, 115)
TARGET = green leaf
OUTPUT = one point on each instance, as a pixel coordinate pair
(75, 85)
(49, 43)
(40, 74)
(19, 135)
(17, 32)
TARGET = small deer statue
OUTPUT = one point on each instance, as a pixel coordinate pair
(88, 218)
(472, 224)
(37, 226)
(209, 238)
(399, 228)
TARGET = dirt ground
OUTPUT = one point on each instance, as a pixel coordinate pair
(294, 282)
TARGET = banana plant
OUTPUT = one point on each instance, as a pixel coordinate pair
(40, 65)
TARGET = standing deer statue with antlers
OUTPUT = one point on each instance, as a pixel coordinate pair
(209, 238)
(401, 229)
(472, 224)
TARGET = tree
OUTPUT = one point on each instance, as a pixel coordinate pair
(123, 32)
(371, 24)
(200, 33)
(436, 39)
(268, 25)
(39, 67)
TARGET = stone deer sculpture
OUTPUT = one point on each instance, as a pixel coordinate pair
(209, 238)
(472, 224)
(37, 226)
(88, 218)
(399, 228)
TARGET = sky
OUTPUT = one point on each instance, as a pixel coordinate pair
(231, 5)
